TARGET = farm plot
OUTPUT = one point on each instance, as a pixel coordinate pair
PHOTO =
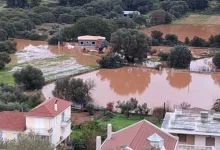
(52, 65)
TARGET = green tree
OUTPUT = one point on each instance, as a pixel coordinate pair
(187, 40)
(48, 17)
(29, 77)
(125, 22)
(139, 19)
(198, 4)
(180, 57)
(3, 35)
(130, 43)
(110, 61)
(198, 42)
(127, 106)
(79, 3)
(8, 46)
(4, 59)
(65, 18)
(26, 142)
(74, 90)
(158, 35)
(216, 106)
(93, 26)
(171, 39)
(216, 60)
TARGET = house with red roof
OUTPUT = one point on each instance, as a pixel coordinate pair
(138, 136)
(51, 120)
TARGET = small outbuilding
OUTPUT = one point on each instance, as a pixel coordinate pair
(88, 40)
(131, 13)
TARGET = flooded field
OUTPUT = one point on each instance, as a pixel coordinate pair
(184, 30)
(152, 87)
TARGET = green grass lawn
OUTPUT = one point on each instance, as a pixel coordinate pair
(6, 76)
(119, 121)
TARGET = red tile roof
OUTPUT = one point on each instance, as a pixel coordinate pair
(135, 137)
(12, 120)
(46, 109)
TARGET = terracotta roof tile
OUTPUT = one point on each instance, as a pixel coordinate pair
(12, 120)
(135, 137)
(46, 109)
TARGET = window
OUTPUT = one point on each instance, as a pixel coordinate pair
(39, 125)
(87, 42)
(210, 141)
(15, 136)
(63, 116)
(46, 138)
(3, 136)
(93, 43)
(182, 137)
(81, 43)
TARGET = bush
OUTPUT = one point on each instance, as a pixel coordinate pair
(164, 55)
(198, 42)
(48, 17)
(216, 60)
(171, 39)
(53, 40)
(110, 106)
(65, 18)
(158, 35)
(187, 40)
(32, 35)
(90, 107)
(180, 57)
(110, 61)
(29, 77)
(8, 46)
(4, 59)
(2, 64)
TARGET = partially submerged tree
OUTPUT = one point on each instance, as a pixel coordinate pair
(74, 90)
(110, 61)
(29, 77)
(127, 106)
(216, 60)
(130, 43)
(180, 57)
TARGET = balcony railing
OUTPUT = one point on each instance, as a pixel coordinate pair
(196, 147)
(39, 130)
(65, 121)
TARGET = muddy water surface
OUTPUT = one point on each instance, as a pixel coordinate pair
(152, 87)
(183, 31)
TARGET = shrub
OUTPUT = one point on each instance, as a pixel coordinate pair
(65, 18)
(164, 55)
(8, 46)
(187, 40)
(197, 41)
(157, 35)
(180, 57)
(53, 40)
(2, 65)
(110, 61)
(216, 60)
(32, 35)
(29, 77)
(4, 59)
(48, 17)
(90, 107)
(171, 39)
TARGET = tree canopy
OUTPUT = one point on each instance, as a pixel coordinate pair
(130, 43)
(4, 59)
(180, 57)
(30, 78)
(216, 60)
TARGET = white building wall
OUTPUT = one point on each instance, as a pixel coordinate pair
(200, 140)
(217, 141)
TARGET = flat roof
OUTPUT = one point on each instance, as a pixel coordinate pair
(89, 37)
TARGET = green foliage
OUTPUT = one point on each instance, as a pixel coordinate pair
(215, 40)
(216, 60)
(53, 40)
(3, 35)
(110, 61)
(78, 144)
(198, 42)
(216, 106)
(187, 40)
(8, 46)
(139, 19)
(12, 98)
(180, 57)
(164, 55)
(74, 90)
(171, 39)
(4, 59)
(127, 106)
(160, 17)
(90, 107)
(29, 77)
(32, 35)
(157, 35)
(48, 17)
(65, 18)
(26, 142)
(130, 43)
(125, 22)
(197, 4)
(93, 26)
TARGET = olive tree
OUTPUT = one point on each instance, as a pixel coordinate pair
(130, 43)
(29, 77)
(180, 57)
(216, 60)
(127, 106)
(4, 59)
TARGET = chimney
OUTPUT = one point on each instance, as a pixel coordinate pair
(98, 143)
(204, 116)
(55, 105)
(109, 131)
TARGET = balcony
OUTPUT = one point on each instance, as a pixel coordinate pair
(40, 131)
(196, 147)
(65, 122)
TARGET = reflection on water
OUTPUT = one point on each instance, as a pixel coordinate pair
(179, 80)
(152, 87)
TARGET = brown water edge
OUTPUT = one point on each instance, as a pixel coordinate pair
(84, 59)
(154, 87)
(183, 31)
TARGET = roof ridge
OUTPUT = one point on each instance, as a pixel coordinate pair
(137, 132)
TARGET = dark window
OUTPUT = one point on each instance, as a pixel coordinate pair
(210, 141)
(182, 137)
(87, 42)
(93, 43)
(81, 42)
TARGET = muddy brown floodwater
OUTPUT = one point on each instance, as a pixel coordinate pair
(152, 87)
(84, 59)
(183, 31)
